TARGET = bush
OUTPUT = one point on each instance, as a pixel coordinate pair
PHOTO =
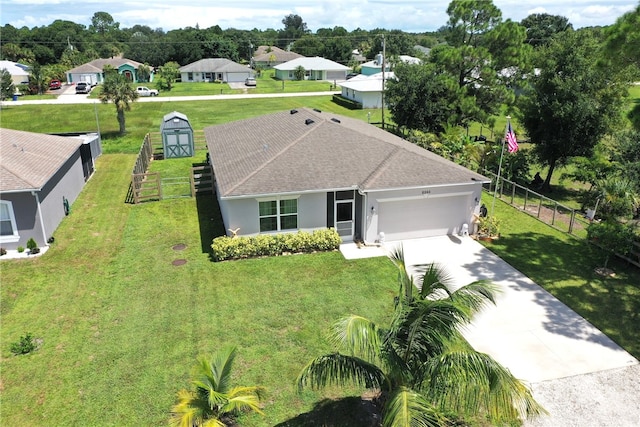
(20, 249)
(32, 246)
(226, 248)
(3, 251)
(25, 345)
(346, 103)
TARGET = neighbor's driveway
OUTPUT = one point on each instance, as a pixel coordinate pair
(540, 339)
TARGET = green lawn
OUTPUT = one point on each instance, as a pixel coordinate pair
(145, 117)
(121, 326)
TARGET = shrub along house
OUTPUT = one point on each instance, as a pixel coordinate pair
(304, 170)
(40, 177)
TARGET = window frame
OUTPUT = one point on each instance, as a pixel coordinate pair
(279, 215)
(10, 238)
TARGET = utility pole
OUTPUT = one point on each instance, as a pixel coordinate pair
(383, 70)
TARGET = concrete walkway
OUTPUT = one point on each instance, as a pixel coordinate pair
(540, 339)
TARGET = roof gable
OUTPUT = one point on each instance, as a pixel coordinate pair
(30, 159)
(313, 151)
(210, 65)
(315, 63)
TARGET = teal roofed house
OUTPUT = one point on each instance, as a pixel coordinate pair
(93, 71)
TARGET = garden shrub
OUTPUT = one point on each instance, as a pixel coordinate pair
(3, 251)
(226, 248)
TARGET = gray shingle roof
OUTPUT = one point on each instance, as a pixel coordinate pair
(280, 153)
(28, 160)
(211, 65)
(97, 65)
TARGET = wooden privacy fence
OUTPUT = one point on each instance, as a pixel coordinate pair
(147, 186)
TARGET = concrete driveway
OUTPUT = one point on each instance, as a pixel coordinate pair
(540, 339)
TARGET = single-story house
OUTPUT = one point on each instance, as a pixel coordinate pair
(316, 68)
(304, 170)
(40, 177)
(367, 90)
(93, 71)
(269, 56)
(19, 72)
(215, 69)
(375, 66)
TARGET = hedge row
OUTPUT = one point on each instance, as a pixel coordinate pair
(346, 103)
(226, 248)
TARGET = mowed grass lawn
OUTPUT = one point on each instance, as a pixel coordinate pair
(121, 326)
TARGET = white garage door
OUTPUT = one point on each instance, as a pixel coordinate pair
(414, 218)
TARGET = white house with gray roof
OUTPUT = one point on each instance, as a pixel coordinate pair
(304, 170)
(40, 177)
(315, 68)
(215, 69)
(366, 90)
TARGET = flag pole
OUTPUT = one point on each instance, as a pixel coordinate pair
(495, 190)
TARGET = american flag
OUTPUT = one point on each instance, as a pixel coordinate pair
(510, 136)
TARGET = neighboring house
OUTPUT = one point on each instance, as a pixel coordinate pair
(316, 68)
(19, 72)
(266, 57)
(366, 90)
(215, 69)
(357, 57)
(93, 72)
(305, 170)
(375, 66)
(40, 177)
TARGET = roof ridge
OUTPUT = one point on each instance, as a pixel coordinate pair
(377, 171)
(272, 159)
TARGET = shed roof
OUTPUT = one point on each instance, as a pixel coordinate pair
(29, 160)
(372, 83)
(168, 121)
(308, 150)
(315, 63)
(211, 65)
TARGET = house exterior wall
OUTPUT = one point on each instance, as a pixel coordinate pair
(84, 77)
(211, 76)
(422, 212)
(68, 183)
(25, 211)
(367, 99)
(243, 213)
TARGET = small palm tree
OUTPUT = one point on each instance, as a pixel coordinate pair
(214, 402)
(116, 89)
(421, 364)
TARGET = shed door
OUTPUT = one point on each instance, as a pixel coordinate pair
(178, 145)
(423, 217)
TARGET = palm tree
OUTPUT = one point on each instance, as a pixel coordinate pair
(421, 364)
(214, 402)
(116, 89)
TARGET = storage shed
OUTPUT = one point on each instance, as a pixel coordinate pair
(177, 136)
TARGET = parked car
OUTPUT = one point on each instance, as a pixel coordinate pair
(145, 91)
(83, 87)
(250, 81)
(55, 84)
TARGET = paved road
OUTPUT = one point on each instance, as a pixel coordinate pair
(68, 96)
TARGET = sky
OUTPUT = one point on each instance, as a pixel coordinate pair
(406, 15)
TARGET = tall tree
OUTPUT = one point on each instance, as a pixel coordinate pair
(116, 89)
(623, 40)
(422, 98)
(294, 28)
(421, 364)
(214, 401)
(484, 55)
(541, 27)
(573, 102)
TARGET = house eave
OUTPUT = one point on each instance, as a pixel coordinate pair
(288, 193)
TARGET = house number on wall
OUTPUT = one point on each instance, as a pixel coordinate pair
(426, 192)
